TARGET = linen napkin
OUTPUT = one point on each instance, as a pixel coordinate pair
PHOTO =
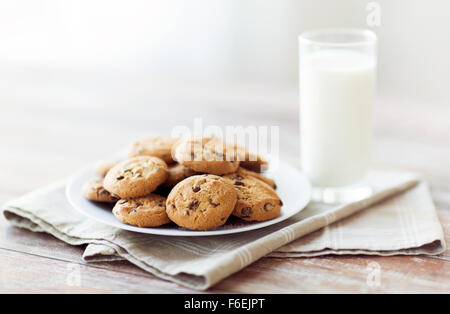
(404, 224)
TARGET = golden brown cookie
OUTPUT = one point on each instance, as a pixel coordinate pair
(257, 201)
(268, 181)
(205, 154)
(146, 211)
(135, 177)
(178, 173)
(157, 146)
(250, 161)
(103, 166)
(94, 191)
(201, 202)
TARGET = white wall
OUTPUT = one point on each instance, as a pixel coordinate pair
(224, 40)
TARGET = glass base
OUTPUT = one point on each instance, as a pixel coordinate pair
(341, 195)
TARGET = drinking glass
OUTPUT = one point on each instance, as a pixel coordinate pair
(337, 74)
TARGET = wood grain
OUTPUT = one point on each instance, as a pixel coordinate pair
(48, 138)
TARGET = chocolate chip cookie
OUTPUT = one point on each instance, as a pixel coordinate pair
(103, 166)
(256, 201)
(157, 146)
(250, 161)
(135, 177)
(268, 181)
(178, 173)
(94, 191)
(206, 154)
(147, 211)
(201, 202)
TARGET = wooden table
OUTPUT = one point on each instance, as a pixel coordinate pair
(51, 124)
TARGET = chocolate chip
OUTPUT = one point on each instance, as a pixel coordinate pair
(160, 203)
(103, 192)
(212, 203)
(120, 178)
(281, 203)
(193, 205)
(223, 218)
(127, 170)
(195, 189)
(268, 207)
(186, 212)
(246, 212)
(138, 204)
(238, 177)
(239, 183)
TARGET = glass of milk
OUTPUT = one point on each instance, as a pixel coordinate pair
(337, 86)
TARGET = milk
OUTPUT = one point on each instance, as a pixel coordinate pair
(336, 97)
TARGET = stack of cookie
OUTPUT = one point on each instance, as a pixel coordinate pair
(197, 183)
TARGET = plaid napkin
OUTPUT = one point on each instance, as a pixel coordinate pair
(382, 224)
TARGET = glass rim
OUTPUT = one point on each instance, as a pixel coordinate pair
(368, 37)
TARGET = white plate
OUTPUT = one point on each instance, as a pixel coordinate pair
(293, 188)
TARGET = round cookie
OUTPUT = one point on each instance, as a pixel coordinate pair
(266, 180)
(201, 202)
(206, 154)
(157, 146)
(93, 190)
(178, 173)
(257, 201)
(250, 161)
(147, 211)
(135, 177)
(103, 166)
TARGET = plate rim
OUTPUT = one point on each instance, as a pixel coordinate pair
(171, 232)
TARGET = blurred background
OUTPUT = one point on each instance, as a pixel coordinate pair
(79, 79)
